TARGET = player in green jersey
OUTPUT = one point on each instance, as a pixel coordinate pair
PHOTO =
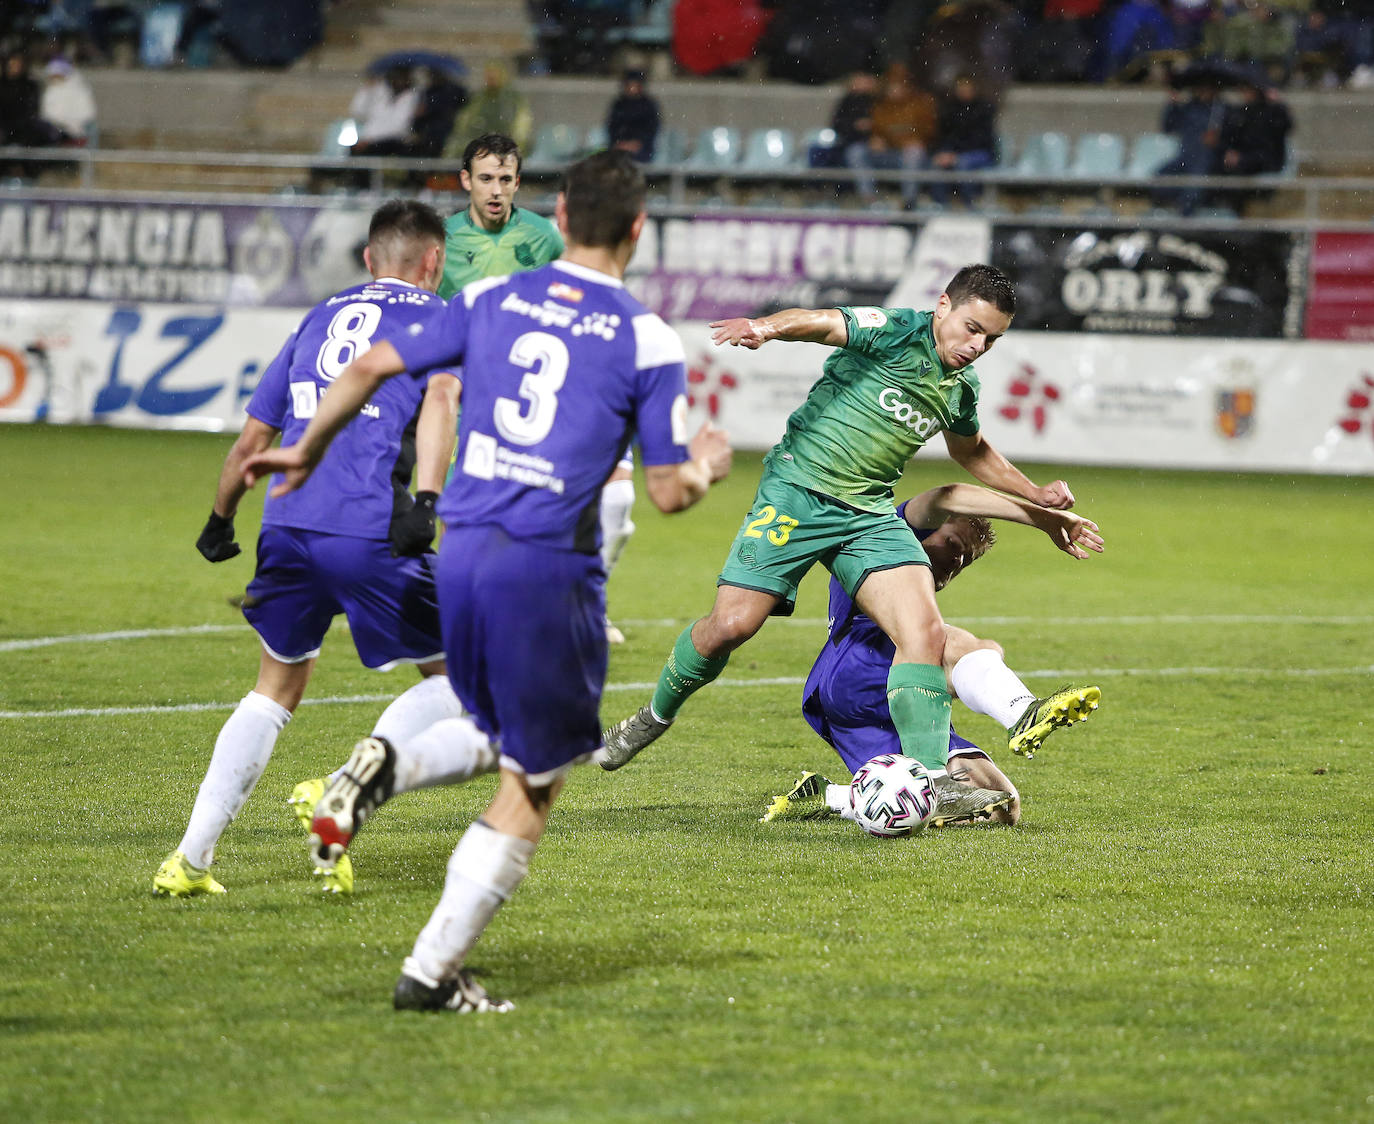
(493, 237)
(896, 378)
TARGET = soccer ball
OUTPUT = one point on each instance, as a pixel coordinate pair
(892, 795)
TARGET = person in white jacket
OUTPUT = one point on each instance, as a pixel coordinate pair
(67, 105)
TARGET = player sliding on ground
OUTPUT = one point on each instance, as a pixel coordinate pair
(845, 697)
(896, 378)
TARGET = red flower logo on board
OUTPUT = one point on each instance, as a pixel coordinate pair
(1357, 407)
(707, 386)
(1029, 397)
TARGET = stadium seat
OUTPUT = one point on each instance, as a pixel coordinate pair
(340, 135)
(1004, 153)
(1151, 152)
(1044, 154)
(555, 144)
(672, 145)
(769, 150)
(817, 150)
(717, 147)
(1097, 155)
(654, 28)
(597, 138)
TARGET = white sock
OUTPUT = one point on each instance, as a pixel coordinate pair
(449, 752)
(242, 751)
(617, 498)
(412, 712)
(837, 800)
(484, 870)
(986, 685)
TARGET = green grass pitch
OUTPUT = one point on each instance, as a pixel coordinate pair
(1180, 929)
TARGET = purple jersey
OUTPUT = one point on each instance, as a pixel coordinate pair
(561, 367)
(363, 478)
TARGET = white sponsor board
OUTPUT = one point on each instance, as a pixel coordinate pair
(156, 366)
(1075, 399)
(1112, 400)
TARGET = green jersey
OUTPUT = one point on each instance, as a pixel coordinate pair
(881, 397)
(527, 241)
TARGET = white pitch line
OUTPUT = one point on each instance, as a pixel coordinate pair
(674, 622)
(1078, 675)
(123, 634)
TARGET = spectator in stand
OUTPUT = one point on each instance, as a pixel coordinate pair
(270, 32)
(1060, 47)
(20, 97)
(1195, 118)
(1136, 28)
(632, 120)
(851, 122)
(385, 109)
(67, 105)
(499, 108)
(966, 140)
(1254, 140)
(440, 103)
(904, 122)
(1320, 55)
(979, 37)
(1250, 33)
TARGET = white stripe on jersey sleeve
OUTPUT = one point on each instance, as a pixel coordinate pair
(474, 289)
(656, 344)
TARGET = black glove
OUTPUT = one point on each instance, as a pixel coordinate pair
(413, 532)
(216, 542)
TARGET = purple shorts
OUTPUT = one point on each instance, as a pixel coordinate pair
(845, 702)
(525, 632)
(305, 579)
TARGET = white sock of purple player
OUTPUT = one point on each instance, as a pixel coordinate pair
(412, 712)
(986, 685)
(617, 500)
(484, 870)
(837, 800)
(449, 752)
(242, 751)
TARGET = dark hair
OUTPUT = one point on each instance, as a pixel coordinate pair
(491, 144)
(982, 282)
(400, 230)
(406, 218)
(602, 195)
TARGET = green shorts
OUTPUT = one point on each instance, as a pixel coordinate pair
(790, 528)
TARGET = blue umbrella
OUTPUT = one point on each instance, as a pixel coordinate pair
(450, 65)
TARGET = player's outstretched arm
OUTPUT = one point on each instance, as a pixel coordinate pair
(216, 541)
(804, 325)
(337, 408)
(1073, 534)
(676, 487)
(984, 463)
(436, 431)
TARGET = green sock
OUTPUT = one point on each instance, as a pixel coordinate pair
(686, 671)
(918, 698)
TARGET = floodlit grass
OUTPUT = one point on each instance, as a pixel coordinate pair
(1180, 929)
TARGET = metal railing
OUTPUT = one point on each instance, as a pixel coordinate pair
(1314, 199)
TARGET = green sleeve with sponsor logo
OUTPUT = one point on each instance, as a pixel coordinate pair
(880, 398)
